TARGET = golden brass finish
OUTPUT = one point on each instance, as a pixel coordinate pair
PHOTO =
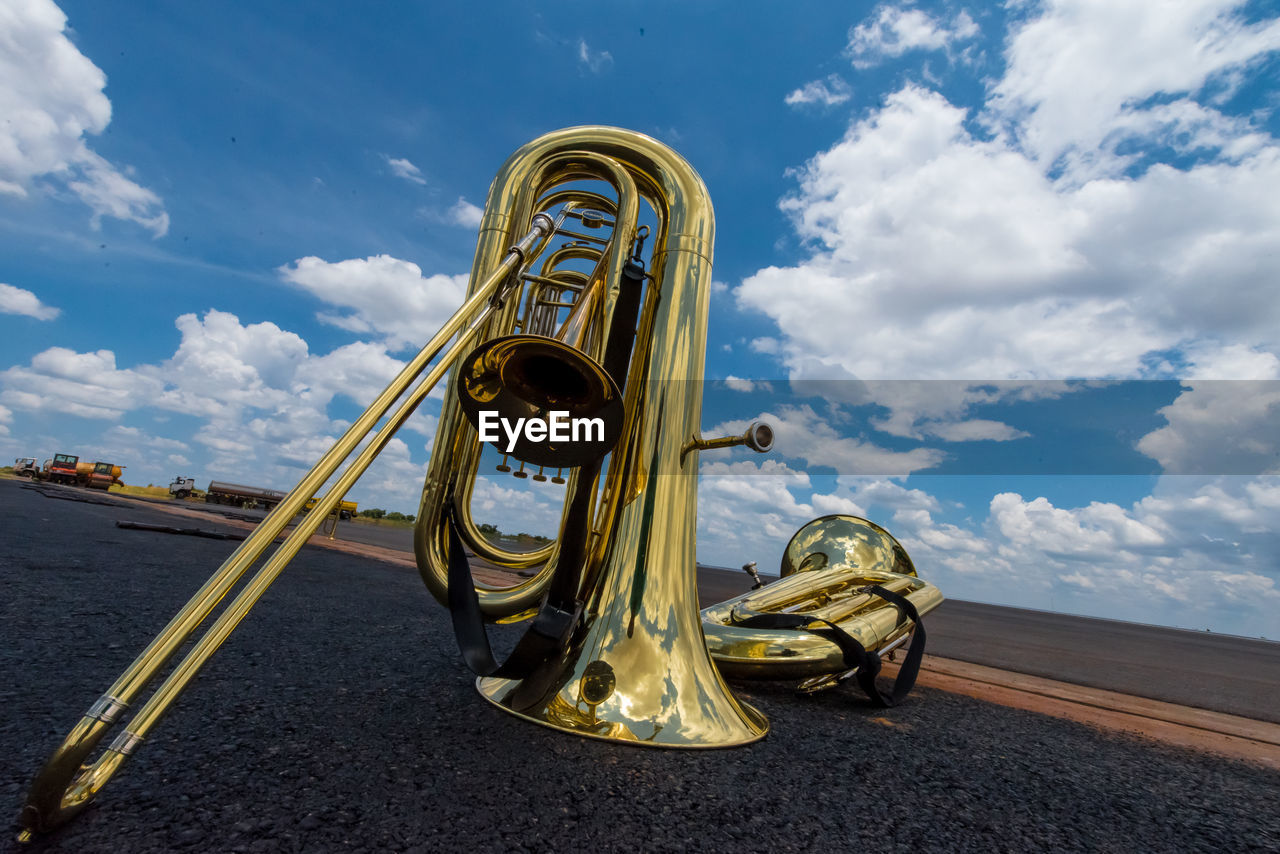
(839, 540)
(835, 558)
(528, 376)
(68, 781)
(636, 667)
(758, 437)
(639, 585)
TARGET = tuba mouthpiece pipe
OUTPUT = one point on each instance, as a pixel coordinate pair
(758, 437)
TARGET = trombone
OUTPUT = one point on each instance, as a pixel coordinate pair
(65, 785)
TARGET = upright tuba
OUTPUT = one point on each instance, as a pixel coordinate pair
(588, 301)
(632, 665)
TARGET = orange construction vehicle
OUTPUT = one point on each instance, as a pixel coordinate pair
(61, 469)
(98, 475)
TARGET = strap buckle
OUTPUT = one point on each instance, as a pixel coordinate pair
(555, 623)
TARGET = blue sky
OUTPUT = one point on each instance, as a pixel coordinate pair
(1003, 278)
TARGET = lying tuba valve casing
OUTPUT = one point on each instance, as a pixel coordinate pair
(828, 571)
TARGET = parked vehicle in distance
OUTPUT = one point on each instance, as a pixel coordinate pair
(26, 467)
(182, 487)
(67, 468)
(346, 509)
(61, 469)
(98, 475)
(240, 495)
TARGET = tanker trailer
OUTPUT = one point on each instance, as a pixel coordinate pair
(240, 495)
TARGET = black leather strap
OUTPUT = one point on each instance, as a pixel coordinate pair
(545, 637)
(856, 655)
(549, 633)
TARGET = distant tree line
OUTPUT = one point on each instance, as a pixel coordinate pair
(488, 529)
(491, 530)
(393, 516)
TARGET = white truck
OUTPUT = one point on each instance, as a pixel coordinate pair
(182, 487)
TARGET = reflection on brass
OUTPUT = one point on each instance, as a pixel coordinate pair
(839, 540)
(519, 617)
(528, 376)
(826, 569)
(508, 346)
(639, 585)
(758, 437)
(511, 345)
(598, 683)
(70, 779)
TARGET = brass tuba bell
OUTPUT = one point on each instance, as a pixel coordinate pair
(528, 377)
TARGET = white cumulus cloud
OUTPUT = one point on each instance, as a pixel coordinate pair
(746, 385)
(828, 92)
(895, 30)
(402, 168)
(1219, 427)
(465, 214)
(382, 296)
(88, 385)
(937, 252)
(52, 99)
(15, 300)
(1081, 77)
(262, 400)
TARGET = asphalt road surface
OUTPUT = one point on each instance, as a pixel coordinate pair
(339, 718)
(1222, 673)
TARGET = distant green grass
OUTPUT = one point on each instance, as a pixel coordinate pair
(379, 523)
(143, 491)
